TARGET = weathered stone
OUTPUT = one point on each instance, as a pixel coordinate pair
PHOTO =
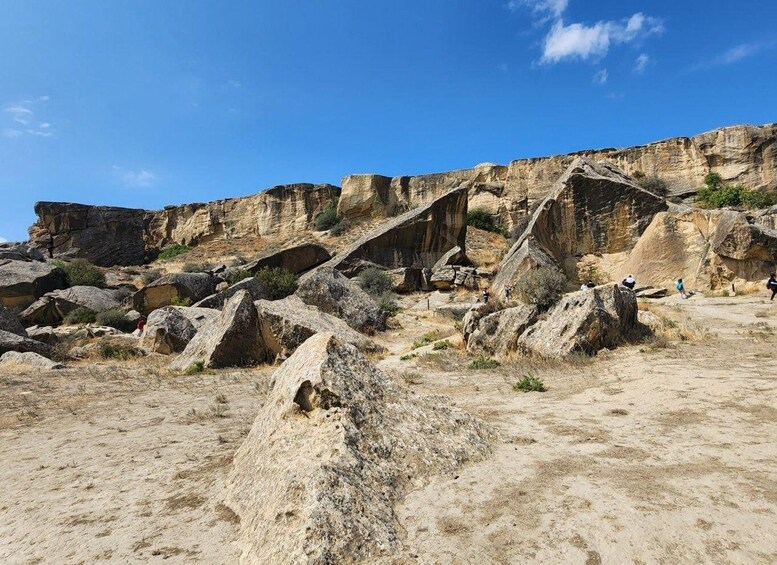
(254, 287)
(297, 259)
(417, 238)
(286, 324)
(333, 293)
(170, 329)
(10, 323)
(406, 279)
(455, 256)
(181, 286)
(342, 444)
(29, 360)
(231, 340)
(451, 276)
(19, 251)
(13, 342)
(650, 292)
(53, 306)
(45, 334)
(584, 322)
(23, 282)
(497, 334)
(364, 196)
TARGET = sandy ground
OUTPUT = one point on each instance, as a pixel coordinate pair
(647, 454)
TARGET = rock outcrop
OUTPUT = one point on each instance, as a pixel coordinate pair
(52, 307)
(297, 259)
(593, 208)
(333, 293)
(10, 323)
(181, 286)
(231, 340)
(334, 448)
(417, 238)
(19, 251)
(170, 329)
(22, 344)
(253, 286)
(285, 324)
(498, 334)
(23, 282)
(14, 360)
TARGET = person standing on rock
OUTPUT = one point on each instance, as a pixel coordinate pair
(51, 246)
(629, 282)
(140, 327)
(681, 289)
(508, 292)
(771, 284)
(486, 294)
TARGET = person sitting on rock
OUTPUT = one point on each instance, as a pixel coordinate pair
(139, 328)
(681, 289)
(486, 294)
(629, 282)
(590, 284)
(508, 292)
(771, 284)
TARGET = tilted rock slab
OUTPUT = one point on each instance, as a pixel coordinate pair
(53, 306)
(334, 448)
(335, 294)
(161, 292)
(22, 344)
(230, 340)
(285, 324)
(417, 238)
(253, 286)
(297, 259)
(23, 282)
(13, 359)
(497, 334)
(10, 323)
(170, 329)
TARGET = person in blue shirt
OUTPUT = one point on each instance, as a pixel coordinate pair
(681, 288)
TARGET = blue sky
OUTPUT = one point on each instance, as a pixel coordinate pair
(147, 103)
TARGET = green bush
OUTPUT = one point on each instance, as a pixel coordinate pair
(180, 301)
(173, 251)
(194, 368)
(482, 363)
(150, 276)
(375, 282)
(529, 383)
(80, 272)
(340, 228)
(542, 287)
(115, 318)
(484, 220)
(238, 275)
(441, 345)
(426, 339)
(653, 184)
(715, 194)
(387, 303)
(327, 219)
(80, 315)
(119, 351)
(278, 282)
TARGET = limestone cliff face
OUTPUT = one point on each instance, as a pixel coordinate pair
(107, 235)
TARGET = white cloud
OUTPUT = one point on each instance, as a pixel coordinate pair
(142, 178)
(23, 113)
(601, 77)
(541, 8)
(641, 63)
(737, 53)
(579, 41)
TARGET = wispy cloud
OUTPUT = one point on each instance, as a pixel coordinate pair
(737, 53)
(24, 122)
(601, 77)
(135, 179)
(542, 9)
(579, 41)
(235, 83)
(641, 63)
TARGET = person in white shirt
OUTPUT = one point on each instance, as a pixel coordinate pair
(629, 282)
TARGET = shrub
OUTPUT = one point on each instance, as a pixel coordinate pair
(196, 267)
(715, 194)
(173, 251)
(376, 282)
(115, 318)
(118, 351)
(340, 228)
(482, 363)
(388, 304)
(278, 282)
(80, 272)
(238, 275)
(150, 276)
(408, 357)
(654, 184)
(440, 345)
(484, 220)
(529, 383)
(542, 287)
(80, 315)
(426, 339)
(194, 368)
(181, 301)
(328, 216)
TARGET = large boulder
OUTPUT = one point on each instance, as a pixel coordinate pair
(297, 259)
(285, 324)
(170, 329)
(23, 282)
(407, 279)
(584, 322)
(497, 334)
(593, 208)
(13, 342)
(52, 307)
(10, 323)
(333, 449)
(230, 340)
(19, 251)
(253, 286)
(335, 294)
(181, 286)
(417, 238)
(29, 360)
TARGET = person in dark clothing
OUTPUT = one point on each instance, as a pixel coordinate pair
(771, 284)
(51, 247)
(629, 282)
(486, 295)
